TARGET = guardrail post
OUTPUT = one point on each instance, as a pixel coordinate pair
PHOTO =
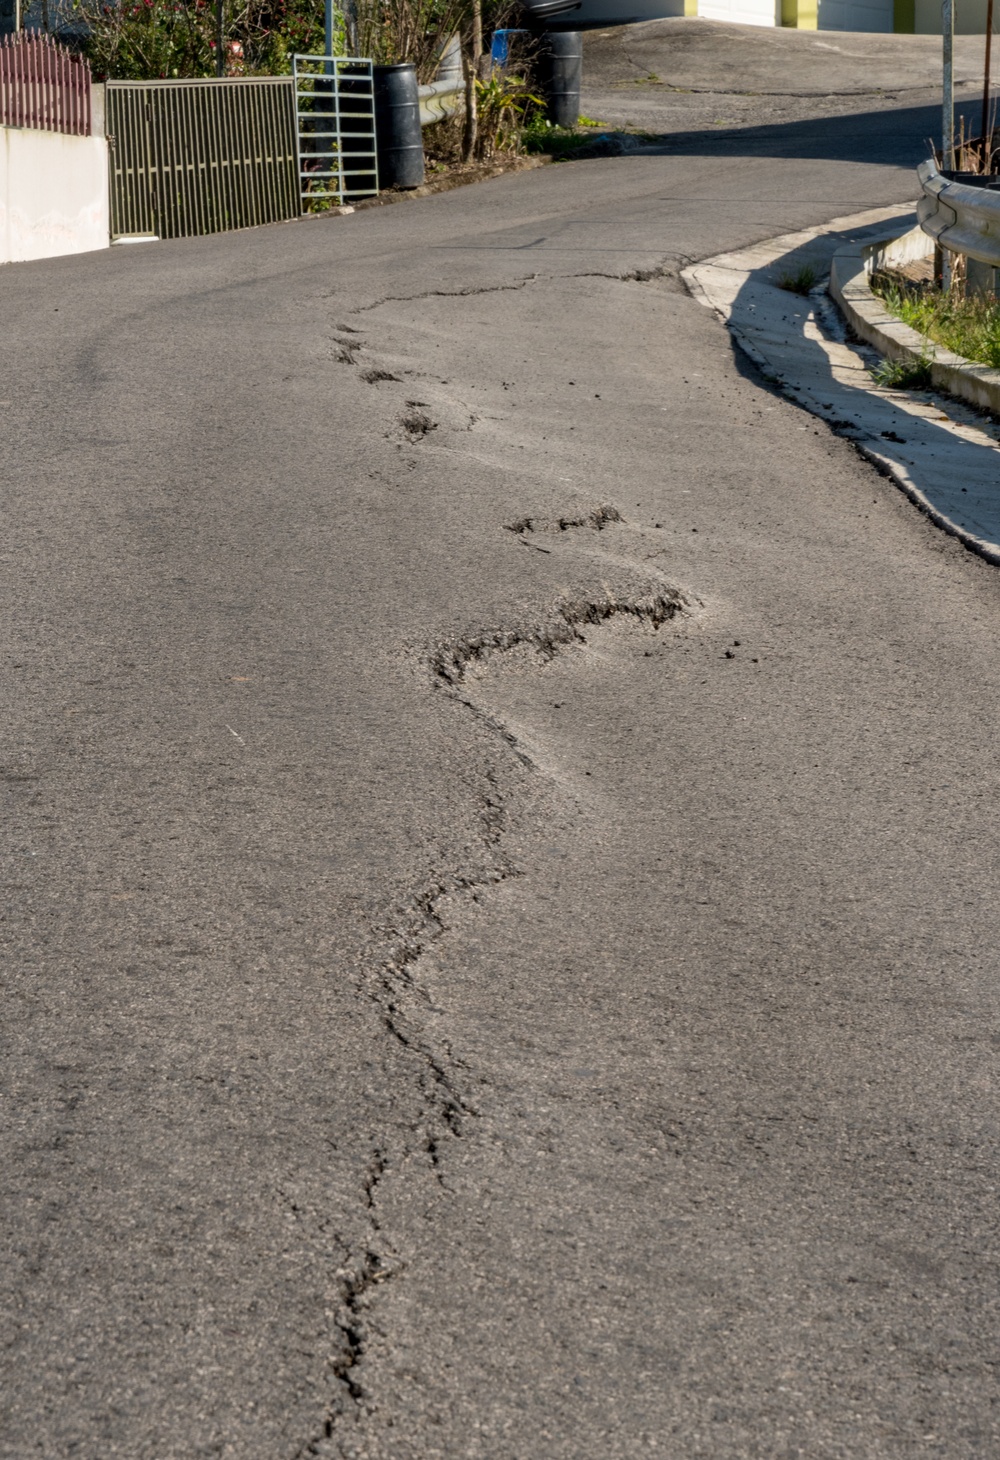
(980, 278)
(947, 109)
(948, 83)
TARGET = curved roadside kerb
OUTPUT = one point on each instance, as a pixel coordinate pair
(850, 285)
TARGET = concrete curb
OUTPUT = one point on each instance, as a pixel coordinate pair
(850, 285)
(936, 448)
(460, 178)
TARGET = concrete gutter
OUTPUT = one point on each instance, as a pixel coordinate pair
(941, 452)
(850, 285)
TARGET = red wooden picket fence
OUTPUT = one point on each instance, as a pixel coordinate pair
(43, 85)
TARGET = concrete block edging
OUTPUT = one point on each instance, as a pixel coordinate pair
(850, 285)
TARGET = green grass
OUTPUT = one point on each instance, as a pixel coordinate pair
(565, 142)
(801, 281)
(541, 136)
(904, 374)
(969, 327)
(559, 142)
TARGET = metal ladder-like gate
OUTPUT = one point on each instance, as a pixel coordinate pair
(335, 130)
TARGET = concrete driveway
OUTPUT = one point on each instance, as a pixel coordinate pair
(500, 846)
(668, 74)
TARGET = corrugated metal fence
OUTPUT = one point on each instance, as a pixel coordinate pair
(42, 85)
(193, 157)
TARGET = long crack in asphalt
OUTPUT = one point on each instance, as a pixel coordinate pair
(392, 983)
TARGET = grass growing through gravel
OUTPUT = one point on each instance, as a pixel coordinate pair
(564, 143)
(969, 327)
(541, 136)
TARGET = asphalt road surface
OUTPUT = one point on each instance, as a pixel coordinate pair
(500, 847)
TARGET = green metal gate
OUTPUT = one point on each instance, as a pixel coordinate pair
(192, 157)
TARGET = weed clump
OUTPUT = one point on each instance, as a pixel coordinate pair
(904, 374)
(800, 281)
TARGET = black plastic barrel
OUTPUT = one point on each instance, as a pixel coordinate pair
(397, 126)
(560, 73)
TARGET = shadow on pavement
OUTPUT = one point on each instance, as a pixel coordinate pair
(896, 137)
(801, 345)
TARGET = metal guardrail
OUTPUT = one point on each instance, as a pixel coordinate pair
(441, 99)
(192, 157)
(960, 218)
(445, 95)
(334, 129)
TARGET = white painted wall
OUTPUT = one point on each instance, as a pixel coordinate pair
(53, 194)
(850, 15)
(853, 15)
(740, 12)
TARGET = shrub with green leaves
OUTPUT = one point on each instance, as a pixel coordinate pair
(409, 30)
(148, 40)
(505, 105)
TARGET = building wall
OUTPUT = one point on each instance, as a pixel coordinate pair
(970, 17)
(53, 194)
(904, 16)
(856, 15)
(869, 15)
(742, 12)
